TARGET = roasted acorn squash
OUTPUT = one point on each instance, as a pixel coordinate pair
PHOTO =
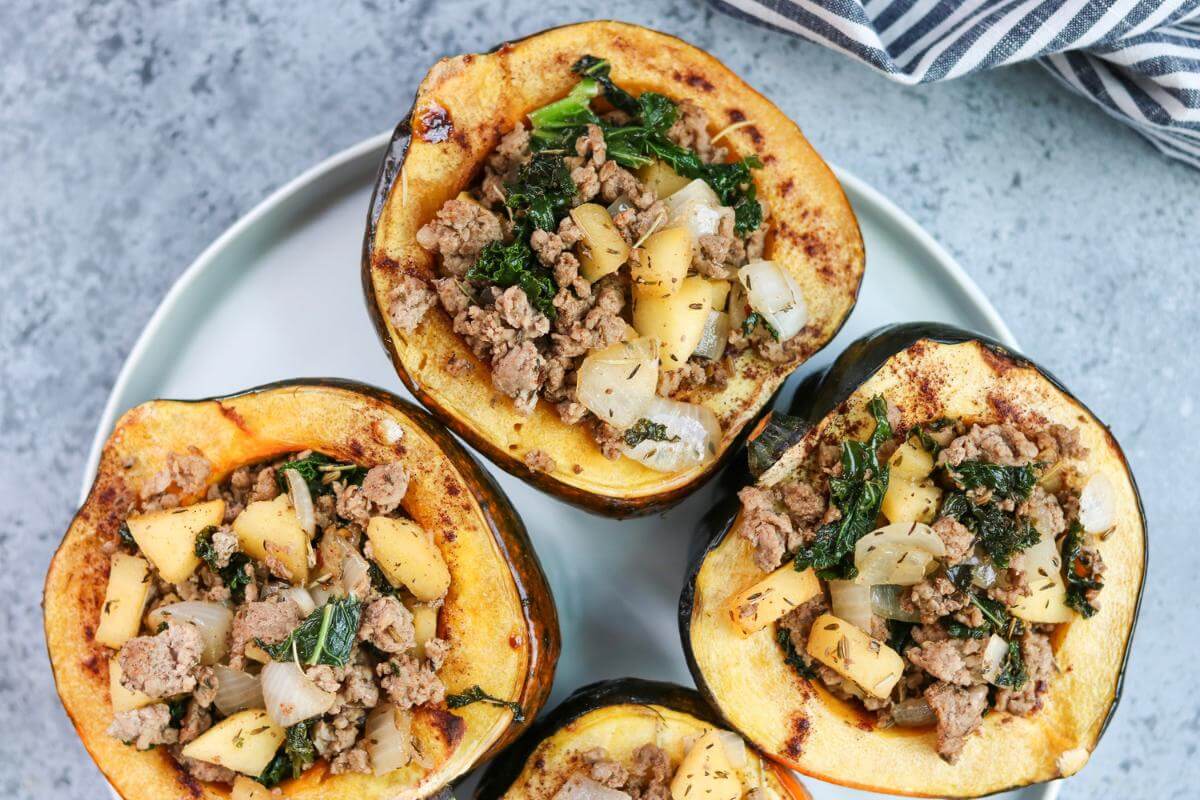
(462, 108)
(499, 613)
(929, 371)
(620, 716)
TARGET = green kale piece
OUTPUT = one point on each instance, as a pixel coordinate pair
(542, 192)
(513, 264)
(319, 471)
(1079, 572)
(646, 430)
(324, 637)
(477, 695)
(1005, 482)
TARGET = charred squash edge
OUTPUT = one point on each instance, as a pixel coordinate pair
(505, 525)
(610, 506)
(820, 395)
(503, 771)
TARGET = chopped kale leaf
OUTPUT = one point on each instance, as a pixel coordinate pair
(791, 657)
(278, 769)
(646, 430)
(781, 432)
(542, 192)
(1013, 674)
(900, 634)
(324, 637)
(514, 264)
(126, 535)
(319, 471)
(1005, 482)
(753, 319)
(299, 747)
(1000, 533)
(234, 575)
(1080, 575)
(477, 695)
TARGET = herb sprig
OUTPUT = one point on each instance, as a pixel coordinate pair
(476, 694)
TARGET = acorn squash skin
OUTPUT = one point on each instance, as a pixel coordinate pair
(462, 108)
(629, 699)
(818, 735)
(500, 615)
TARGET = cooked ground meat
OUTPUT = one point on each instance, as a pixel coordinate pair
(1058, 442)
(385, 486)
(187, 472)
(387, 625)
(353, 760)
(959, 713)
(144, 727)
(458, 232)
(225, 544)
(766, 529)
(995, 444)
(943, 660)
(1043, 511)
(195, 722)
(1039, 664)
(540, 461)
(958, 540)
(410, 298)
(647, 778)
(339, 734)
(269, 621)
(202, 770)
(409, 682)
(934, 599)
(162, 665)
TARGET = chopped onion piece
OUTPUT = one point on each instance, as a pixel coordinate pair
(714, 336)
(913, 713)
(885, 602)
(898, 553)
(581, 787)
(320, 595)
(983, 575)
(618, 382)
(289, 695)
(622, 203)
(387, 738)
(693, 428)
(302, 598)
(302, 501)
(737, 306)
(697, 208)
(213, 620)
(774, 294)
(356, 574)
(992, 660)
(852, 602)
(1098, 504)
(735, 748)
(237, 690)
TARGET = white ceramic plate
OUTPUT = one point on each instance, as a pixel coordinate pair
(278, 296)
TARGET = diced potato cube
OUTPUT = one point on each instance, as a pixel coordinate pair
(270, 527)
(168, 537)
(124, 699)
(911, 462)
(677, 321)
(661, 179)
(852, 653)
(425, 621)
(720, 294)
(663, 264)
(249, 789)
(908, 501)
(1047, 598)
(775, 595)
(602, 250)
(408, 557)
(256, 653)
(706, 773)
(124, 600)
(245, 742)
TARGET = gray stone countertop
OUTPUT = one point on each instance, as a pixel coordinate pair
(133, 133)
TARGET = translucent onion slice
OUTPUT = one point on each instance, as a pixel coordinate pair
(693, 428)
(697, 208)
(913, 713)
(617, 383)
(320, 595)
(237, 691)
(852, 602)
(213, 620)
(289, 695)
(992, 660)
(1098, 504)
(714, 337)
(356, 574)
(387, 738)
(581, 787)
(622, 203)
(774, 294)
(885, 602)
(302, 501)
(898, 553)
(735, 748)
(302, 598)
(737, 306)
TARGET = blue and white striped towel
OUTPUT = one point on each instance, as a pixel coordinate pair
(1140, 61)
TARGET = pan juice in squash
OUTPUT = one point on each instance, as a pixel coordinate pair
(932, 586)
(596, 253)
(307, 588)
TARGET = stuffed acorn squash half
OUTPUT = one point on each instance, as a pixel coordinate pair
(932, 587)
(596, 253)
(631, 738)
(307, 586)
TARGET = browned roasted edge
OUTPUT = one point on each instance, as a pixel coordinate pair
(508, 531)
(853, 367)
(613, 507)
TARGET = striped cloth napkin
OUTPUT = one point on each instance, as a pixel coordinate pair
(1139, 61)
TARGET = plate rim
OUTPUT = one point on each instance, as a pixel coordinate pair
(374, 147)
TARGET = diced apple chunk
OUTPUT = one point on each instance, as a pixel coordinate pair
(124, 699)
(271, 528)
(910, 501)
(408, 557)
(425, 620)
(245, 742)
(168, 537)
(911, 462)
(1047, 598)
(706, 773)
(678, 320)
(852, 653)
(124, 600)
(775, 595)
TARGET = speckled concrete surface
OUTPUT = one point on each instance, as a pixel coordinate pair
(133, 133)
